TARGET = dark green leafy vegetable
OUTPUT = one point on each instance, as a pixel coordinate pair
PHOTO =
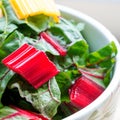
(65, 32)
(79, 51)
(38, 23)
(104, 54)
(51, 96)
(6, 111)
(5, 30)
(108, 76)
(14, 113)
(10, 44)
(5, 76)
(64, 80)
(45, 100)
(9, 14)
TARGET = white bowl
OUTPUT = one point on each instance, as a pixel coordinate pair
(97, 36)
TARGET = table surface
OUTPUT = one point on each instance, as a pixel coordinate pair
(106, 12)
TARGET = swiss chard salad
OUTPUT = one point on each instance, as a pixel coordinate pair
(47, 70)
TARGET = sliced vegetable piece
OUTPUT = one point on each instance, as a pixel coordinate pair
(17, 113)
(15, 53)
(54, 43)
(31, 64)
(84, 92)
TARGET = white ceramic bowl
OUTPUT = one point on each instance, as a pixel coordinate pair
(97, 36)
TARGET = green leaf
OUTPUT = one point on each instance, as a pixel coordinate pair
(63, 62)
(107, 63)
(79, 51)
(108, 75)
(14, 113)
(5, 31)
(5, 111)
(27, 31)
(10, 14)
(46, 99)
(65, 32)
(80, 26)
(38, 23)
(45, 46)
(2, 24)
(10, 44)
(102, 55)
(5, 76)
(65, 80)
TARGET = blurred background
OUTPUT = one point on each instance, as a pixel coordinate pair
(106, 12)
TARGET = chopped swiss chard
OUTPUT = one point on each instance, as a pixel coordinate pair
(32, 64)
(83, 75)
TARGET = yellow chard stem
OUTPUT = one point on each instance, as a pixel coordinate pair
(26, 8)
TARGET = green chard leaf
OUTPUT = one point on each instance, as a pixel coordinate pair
(5, 76)
(79, 51)
(9, 13)
(14, 113)
(27, 31)
(5, 30)
(45, 100)
(66, 32)
(5, 111)
(105, 54)
(63, 62)
(65, 80)
(10, 44)
(108, 75)
(38, 23)
(45, 46)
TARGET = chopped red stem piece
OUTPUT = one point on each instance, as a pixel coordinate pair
(15, 53)
(32, 64)
(54, 43)
(84, 92)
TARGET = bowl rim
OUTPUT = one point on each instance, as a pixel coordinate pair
(115, 82)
